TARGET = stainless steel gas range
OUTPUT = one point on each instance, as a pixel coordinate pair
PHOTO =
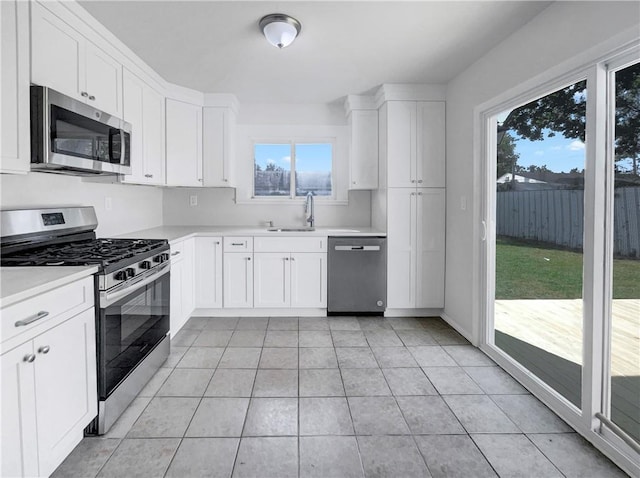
(131, 294)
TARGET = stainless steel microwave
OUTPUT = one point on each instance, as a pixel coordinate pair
(69, 136)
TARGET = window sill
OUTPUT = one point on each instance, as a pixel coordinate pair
(292, 202)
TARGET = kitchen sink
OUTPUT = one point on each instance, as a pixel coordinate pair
(291, 229)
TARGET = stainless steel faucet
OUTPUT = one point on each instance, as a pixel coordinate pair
(308, 209)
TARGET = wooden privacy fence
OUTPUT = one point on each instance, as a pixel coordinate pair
(556, 216)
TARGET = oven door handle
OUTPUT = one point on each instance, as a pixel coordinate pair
(109, 298)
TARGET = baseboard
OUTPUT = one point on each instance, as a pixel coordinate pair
(412, 312)
(460, 330)
(250, 312)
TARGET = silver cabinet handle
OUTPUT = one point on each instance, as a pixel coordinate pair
(84, 94)
(286, 258)
(92, 97)
(225, 180)
(217, 243)
(420, 181)
(175, 253)
(29, 358)
(293, 259)
(200, 180)
(148, 175)
(44, 349)
(248, 258)
(413, 180)
(237, 243)
(40, 315)
(419, 194)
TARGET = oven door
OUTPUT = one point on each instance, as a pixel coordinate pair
(131, 323)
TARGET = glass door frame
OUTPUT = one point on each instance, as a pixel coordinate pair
(598, 199)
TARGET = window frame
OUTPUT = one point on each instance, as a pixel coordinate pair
(292, 142)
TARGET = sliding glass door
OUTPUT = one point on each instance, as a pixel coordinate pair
(562, 249)
(539, 221)
(624, 259)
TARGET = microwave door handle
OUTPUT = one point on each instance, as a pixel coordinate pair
(122, 146)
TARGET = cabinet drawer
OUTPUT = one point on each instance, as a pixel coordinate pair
(177, 251)
(290, 244)
(26, 318)
(238, 244)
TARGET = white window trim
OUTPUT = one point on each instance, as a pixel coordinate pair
(593, 66)
(292, 199)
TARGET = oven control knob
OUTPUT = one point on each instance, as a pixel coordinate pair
(145, 265)
(130, 272)
(120, 275)
(159, 258)
(165, 257)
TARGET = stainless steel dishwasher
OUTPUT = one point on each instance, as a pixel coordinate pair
(357, 275)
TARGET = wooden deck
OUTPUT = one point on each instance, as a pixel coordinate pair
(546, 337)
(556, 326)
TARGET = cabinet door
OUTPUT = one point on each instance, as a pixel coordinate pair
(133, 113)
(363, 161)
(208, 270)
(65, 387)
(401, 248)
(14, 55)
(57, 53)
(153, 135)
(184, 148)
(401, 143)
(175, 297)
(309, 279)
(18, 412)
(431, 144)
(218, 125)
(271, 279)
(103, 80)
(238, 280)
(188, 292)
(431, 248)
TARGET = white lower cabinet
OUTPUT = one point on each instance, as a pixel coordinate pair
(208, 272)
(182, 295)
(309, 279)
(286, 275)
(238, 279)
(415, 248)
(48, 390)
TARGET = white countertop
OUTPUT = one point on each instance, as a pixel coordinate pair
(177, 233)
(20, 283)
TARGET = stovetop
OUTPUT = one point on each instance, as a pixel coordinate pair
(110, 254)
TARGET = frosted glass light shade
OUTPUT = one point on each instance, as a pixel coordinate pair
(280, 30)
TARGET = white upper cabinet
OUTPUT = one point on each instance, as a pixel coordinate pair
(62, 59)
(219, 127)
(431, 139)
(14, 55)
(184, 144)
(414, 145)
(144, 109)
(363, 160)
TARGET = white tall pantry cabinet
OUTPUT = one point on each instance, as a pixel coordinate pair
(412, 152)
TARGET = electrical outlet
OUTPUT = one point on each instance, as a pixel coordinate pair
(193, 200)
(107, 203)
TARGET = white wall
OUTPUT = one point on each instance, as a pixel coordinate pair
(217, 207)
(560, 33)
(263, 122)
(133, 207)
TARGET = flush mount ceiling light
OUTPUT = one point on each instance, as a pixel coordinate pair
(280, 30)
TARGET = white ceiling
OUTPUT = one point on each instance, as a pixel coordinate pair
(344, 47)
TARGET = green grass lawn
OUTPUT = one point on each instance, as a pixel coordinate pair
(534, 271)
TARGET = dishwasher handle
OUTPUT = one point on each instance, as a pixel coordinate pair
(357, 248)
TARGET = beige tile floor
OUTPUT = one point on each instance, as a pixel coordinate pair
(336, 397)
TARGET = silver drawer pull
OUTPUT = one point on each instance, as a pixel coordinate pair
(40, 315)
(175, 253)
(92, 98)
(44, 349)
(237, 243)
(29, 358)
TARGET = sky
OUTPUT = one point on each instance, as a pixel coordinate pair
(558, 153)
(308, 157)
